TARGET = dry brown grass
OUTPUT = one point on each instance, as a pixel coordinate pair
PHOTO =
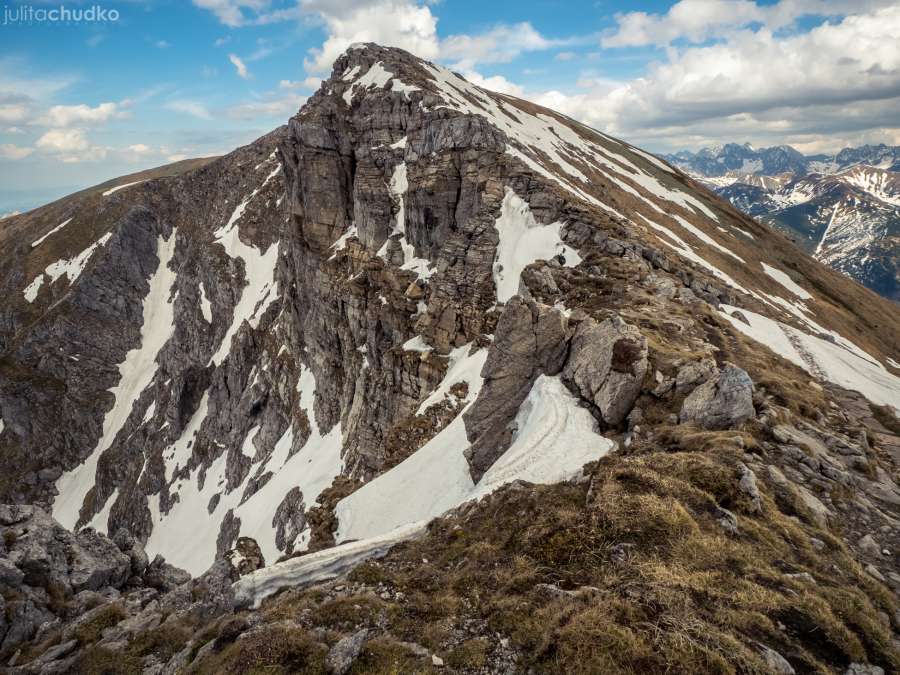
(646, 579)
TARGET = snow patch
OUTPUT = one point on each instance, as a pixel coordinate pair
(555, 439)
(53, 231)
(463, 367)
(135, 374)
(205, 306)
(522, 241)
(177, 455)
(177, 534)
(253, 588)
(259, 273)
(705, 238)
(417, 344)
(71, 268)
(376, 76)
(783, 279)
(100, 521)
(675, 242)
(821, 358)
(399, 185)
(122, 187)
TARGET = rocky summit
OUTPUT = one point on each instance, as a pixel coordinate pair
(433, 379)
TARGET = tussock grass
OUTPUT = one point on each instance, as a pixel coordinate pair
(630, 574)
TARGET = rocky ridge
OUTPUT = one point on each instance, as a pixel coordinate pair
(414, 294)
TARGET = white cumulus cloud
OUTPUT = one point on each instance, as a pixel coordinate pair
(71, 115)
(240, 66)
(14, 152)
(393, 23)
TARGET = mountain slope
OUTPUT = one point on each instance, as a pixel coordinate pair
(721, 160)
(843, 209)
(414, 294)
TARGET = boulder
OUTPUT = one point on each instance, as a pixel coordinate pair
(693, 374)
(342, 655)
(747, 485)
(775, 661)
(246, 556)
(97, 562)
(863, 669)
(724, 401)
(607, 365)
(164, 577)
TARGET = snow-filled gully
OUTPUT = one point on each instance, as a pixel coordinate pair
(136, 372)
(555, 439)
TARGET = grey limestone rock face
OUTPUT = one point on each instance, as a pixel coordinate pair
(322, 282)
(531, 339)
(46, 554)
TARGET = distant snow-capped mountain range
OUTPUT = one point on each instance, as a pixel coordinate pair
(844, 209)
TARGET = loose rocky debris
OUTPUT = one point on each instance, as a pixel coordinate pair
(85, 603)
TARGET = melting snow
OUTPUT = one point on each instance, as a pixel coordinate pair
(177, 455)
(259, 273)
(705, 238)
(70, 267)
(783, 279)
(253, 588)
(53, 231)
(548, 145)
(555, 438)
(463, 367)
(151, 410)
(100, 521)
(674, 241)
(135, 373)
(205, 307)
(120, 187)
(341, 243)
(399, 185)
(186, 536)
(821, 358)
(522, 241)
(375, 76)
(417, 344)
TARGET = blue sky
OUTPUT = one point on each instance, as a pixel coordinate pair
(84, 101)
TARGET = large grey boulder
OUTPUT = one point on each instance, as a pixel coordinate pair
(96, 562)
(724, 401)
(607, 365)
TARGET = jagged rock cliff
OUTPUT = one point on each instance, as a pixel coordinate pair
(413, 294)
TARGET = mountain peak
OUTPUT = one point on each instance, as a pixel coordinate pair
(420, 295)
